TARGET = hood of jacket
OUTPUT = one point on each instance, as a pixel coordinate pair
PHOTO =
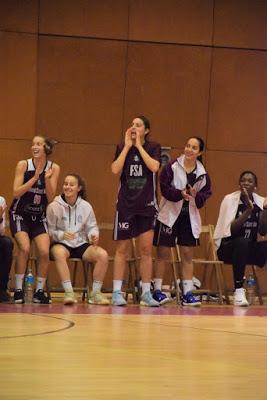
(70, 211)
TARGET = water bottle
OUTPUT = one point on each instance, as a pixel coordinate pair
(251, 289)
(29, 286)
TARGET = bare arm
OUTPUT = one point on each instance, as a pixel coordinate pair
(117, 165)
(20, 188)
(51, 179)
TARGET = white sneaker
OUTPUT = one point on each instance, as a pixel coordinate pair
(240, 298)
(69, 298)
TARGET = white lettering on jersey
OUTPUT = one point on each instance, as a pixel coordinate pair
(136, 170)
(167, 230)
(123, 225)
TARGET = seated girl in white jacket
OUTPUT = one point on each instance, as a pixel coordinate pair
(241, 219)
(74, 232)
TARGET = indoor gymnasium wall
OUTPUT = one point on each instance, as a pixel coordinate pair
(79, 71)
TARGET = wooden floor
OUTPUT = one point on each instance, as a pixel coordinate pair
(89, 352)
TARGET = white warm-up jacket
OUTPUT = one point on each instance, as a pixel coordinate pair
(173, 180)
(78, 219)
(228, 210)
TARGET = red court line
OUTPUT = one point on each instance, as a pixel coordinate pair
(86, 309)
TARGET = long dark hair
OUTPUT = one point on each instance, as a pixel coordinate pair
(81, 182)
(201, 144)
(146, 123)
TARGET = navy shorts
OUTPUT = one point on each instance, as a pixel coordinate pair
(34, 225)
(131, 226)
(75, 252)
(180, 233)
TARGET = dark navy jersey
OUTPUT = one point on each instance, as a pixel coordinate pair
(138, 185)
(249, 228)
(191, 180)
(34, 201)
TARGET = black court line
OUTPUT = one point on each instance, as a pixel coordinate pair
(70, 324)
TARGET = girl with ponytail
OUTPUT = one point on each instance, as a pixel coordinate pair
(34, 187)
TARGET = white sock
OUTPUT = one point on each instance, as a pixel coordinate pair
(117, 284)
(67, 286)
(145, 287)
(19, 278)
(40, 282)
(188, 285)
(97, 285)
(157, 283)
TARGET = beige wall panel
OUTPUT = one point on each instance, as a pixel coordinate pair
(182, 21)
(238, 118)
(105, 18)
(169, 84)
(18, 85)
(19, 15)
(241, 23)
(93, 163)
(224, 169)
(81, 89)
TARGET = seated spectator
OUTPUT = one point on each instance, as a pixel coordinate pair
(73, 229)
(6, 248)
(241, 219)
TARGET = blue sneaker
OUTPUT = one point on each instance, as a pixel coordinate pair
(190, 300)
(118, 299)
(148, 301)
(160, 297)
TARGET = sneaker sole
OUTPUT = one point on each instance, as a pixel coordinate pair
(98, 304)
(143, 303)
(38, 302)
(69, 302)
(165, 301)
(241, 305)
(118, 304)
(191, 304)
(19, 301)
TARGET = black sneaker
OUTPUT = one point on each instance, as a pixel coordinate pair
(4, 296)
(40, 297)
(19, 296)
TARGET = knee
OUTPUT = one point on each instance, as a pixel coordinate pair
(163, 253)
(241, 246)
(186, 255)
(102, 256)
(24, 250)
(43, 254)
(145, 251)
(58, 255)
(122, 251)
(241, 242)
